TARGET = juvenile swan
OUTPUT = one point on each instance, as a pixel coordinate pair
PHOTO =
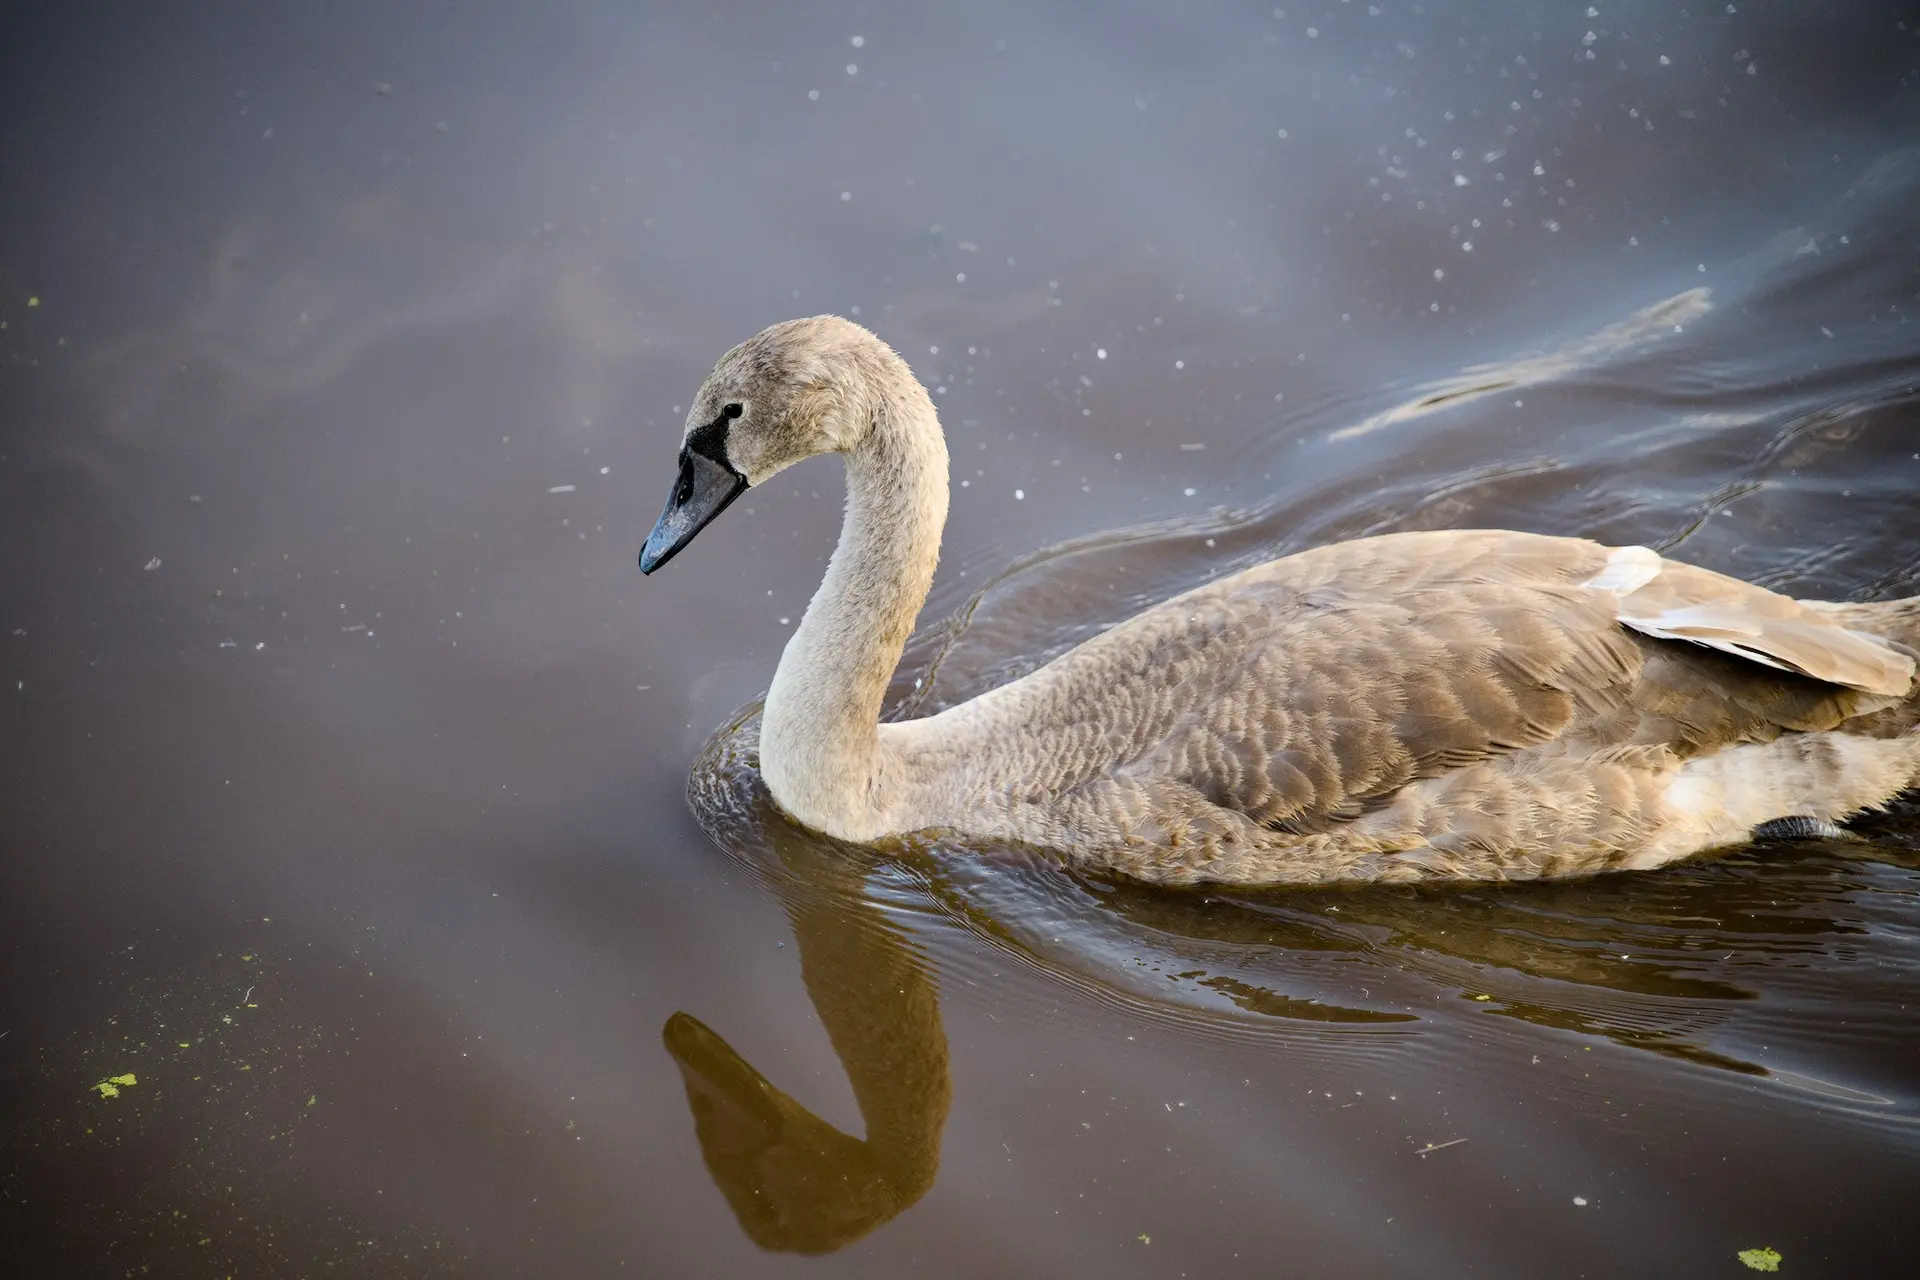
(1467, 705)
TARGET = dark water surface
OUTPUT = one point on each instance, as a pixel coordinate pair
(344, 753)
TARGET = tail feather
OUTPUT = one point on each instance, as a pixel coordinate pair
(1898, 622)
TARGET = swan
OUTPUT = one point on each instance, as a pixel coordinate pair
(1470, 705)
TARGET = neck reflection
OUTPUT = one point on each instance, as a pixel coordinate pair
(795, 1182)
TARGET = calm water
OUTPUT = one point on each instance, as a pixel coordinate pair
(344, 754)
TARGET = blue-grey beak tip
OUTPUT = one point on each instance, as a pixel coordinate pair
(702, 491)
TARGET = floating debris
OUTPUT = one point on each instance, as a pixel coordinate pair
(1760, 1259)
(152, 564)
(560, 488)
(112, 1085)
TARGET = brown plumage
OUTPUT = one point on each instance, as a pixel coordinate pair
(1475, 704)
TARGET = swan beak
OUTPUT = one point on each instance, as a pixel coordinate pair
(702, 491)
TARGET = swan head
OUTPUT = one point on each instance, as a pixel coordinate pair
(794, 390)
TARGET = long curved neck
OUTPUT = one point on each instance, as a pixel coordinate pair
(820, 748)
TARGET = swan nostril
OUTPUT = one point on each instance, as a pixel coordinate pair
(732, 410)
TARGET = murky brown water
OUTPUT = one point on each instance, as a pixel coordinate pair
(344, 754)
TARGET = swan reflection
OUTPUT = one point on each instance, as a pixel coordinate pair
(795, 1182)
(1682, 966)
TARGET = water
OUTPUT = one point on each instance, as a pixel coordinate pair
(344, 755)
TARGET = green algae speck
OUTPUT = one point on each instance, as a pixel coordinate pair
(111, 1086)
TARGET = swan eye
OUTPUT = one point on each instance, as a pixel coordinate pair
(732, 410)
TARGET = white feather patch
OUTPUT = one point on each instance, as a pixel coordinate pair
(1628, 569)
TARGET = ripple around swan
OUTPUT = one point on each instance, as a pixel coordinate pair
(1724, 964)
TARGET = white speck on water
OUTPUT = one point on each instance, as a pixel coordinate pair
(1580, 1200)
(960, 276)
(857, 41)
(1179, 364)
(1209, 541)
(1019, 495)
(1190, 491)
(1823, 329)
(846, 195)
(154, 563)
(1313, 33)
(261, 645)
(1466, 246)
(1439, 273)
(786, 622)
(606, 470)
(813, 95)
(1283, 133)
(1194, 447)
(1461, 180)
(1665, 61)
(852, 70)
(1099, 353)
(560, 488)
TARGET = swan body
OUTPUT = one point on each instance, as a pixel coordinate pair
(1439, 705)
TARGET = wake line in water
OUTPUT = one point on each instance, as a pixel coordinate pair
(1643, 328)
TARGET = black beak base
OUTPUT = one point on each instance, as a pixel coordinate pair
(702, 491)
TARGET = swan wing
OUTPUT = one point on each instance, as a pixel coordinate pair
(1308, 691)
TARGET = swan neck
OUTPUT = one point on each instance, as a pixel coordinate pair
(820, 746)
